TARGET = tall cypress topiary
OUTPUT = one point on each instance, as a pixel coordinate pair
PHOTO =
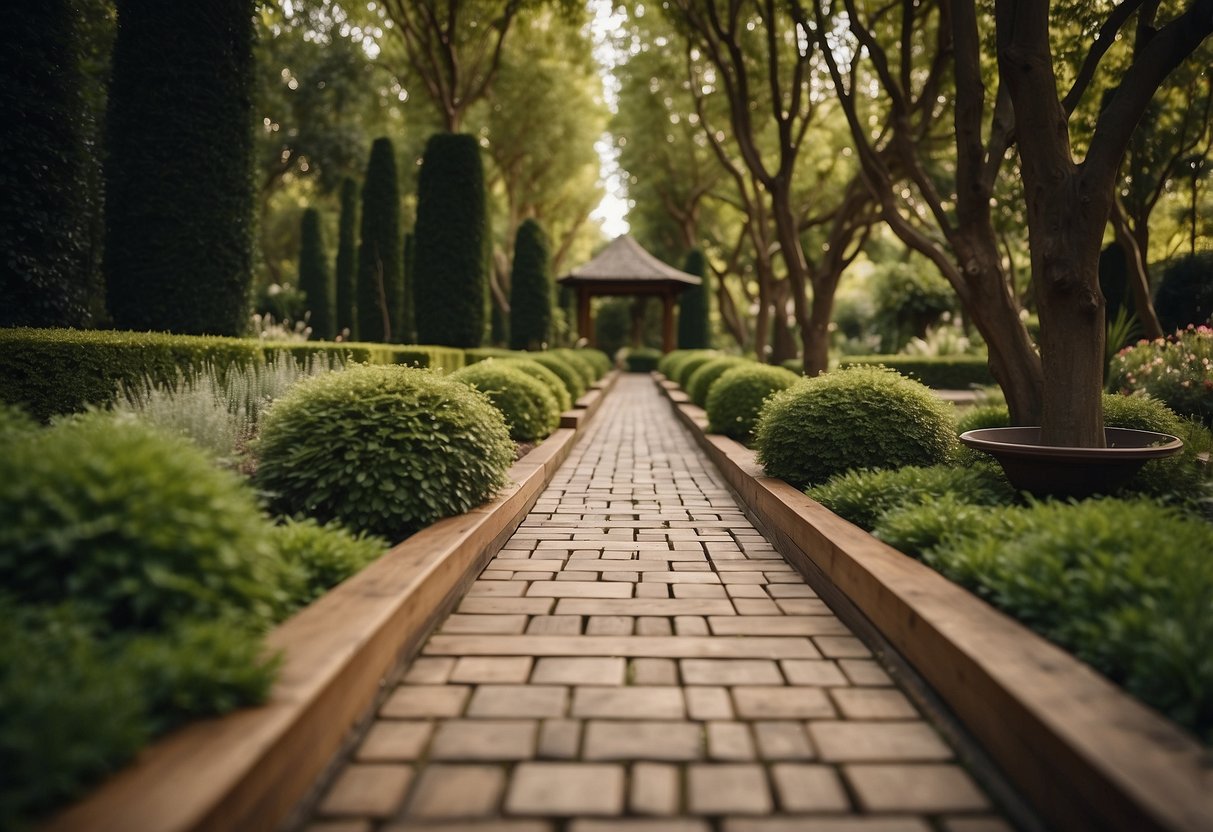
(408, 320)
(347, 260)
(530, 289)
(178, 176)
(449, 267)
(315, 279)
(694, 329)
(43, 224)
(380, 252)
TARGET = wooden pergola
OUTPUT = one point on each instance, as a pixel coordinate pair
(625, 268)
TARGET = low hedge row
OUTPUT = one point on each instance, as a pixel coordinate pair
(49, 372)
(942, 372)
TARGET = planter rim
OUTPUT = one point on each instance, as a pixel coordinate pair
(1123, 443)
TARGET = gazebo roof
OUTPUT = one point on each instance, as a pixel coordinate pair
(625, 261)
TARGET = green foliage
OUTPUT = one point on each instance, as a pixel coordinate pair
(573, 381)
(380, 283)
(346, 271)
(865, 496)
(685, 367)
(735, 400)
(671, 358)
(450, 277)
(1124, 585)
(1178, 370)
(599, 360)
(915, 526)
(613, 324)
(384, 450)
(941, 372)
(137, 523)
(1185, 293)
(44, 199)
(983, 416)
(694, 305)
(584, 366)
(196, 669)
(179, 152)
(66, 718)
(478, 354)
(530, 409)
(700, 382)
(15, 423)
(545, 377)
(530, 289)
(314, 277)
(320, 557)
(862, 417)
(408, 317)
(910, 298)
(643, 360)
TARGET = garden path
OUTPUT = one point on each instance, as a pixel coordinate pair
(638, 657)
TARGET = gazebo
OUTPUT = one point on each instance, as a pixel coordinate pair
(625, 268)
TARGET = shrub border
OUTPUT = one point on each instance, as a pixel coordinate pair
(251, 768)
(1086, 754)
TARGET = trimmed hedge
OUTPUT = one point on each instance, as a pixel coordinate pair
(545, 376)
(478, 354)
(700, 382)
(530, 289)
(179, 167)
(685, 367)
(530, 409)
(573, 380)
(383, 450)
(49, 372)
(584, 366)
(736, 398)
(862, 417)
(599, 360)
(315, 280)
(643, 360)
(346, 269)
(694, 305)
(380, 284)
(942, 372)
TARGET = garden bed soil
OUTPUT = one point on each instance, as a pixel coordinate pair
(249, 769)
(1082, 751)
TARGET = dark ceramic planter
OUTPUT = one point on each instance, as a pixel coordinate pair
(1053, 471)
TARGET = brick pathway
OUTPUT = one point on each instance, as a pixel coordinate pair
(638, 657)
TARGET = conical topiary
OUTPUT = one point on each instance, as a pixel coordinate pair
(530, 289)
(315, 279)
(694, 328)
(380, 253)
(347, 260)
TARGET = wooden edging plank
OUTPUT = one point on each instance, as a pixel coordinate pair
(1086, 754)
(248, 769)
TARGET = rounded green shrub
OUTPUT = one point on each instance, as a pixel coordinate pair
(864, 497)
(642, 360)
(530, 409)
(579, 363)
(983, 416)
(736, 398)
(663, 364)
(701, 381)
(860, 417)
(546, 377)
(674, 361)
(384, 450)
(918, 526)
(321, 557)
(572, 380)
(138, 523)
(599, 360)
(15, 423)
(687, 366)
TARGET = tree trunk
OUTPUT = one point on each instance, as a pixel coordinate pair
(1137, 275)
(815, 338)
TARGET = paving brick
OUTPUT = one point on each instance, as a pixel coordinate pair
(518, 701)
(555, 625)
(864, 672)
(775, 625)
(781, 703)
(672, 647)
(570, 576)
(652, 590)
(782, 741)
(681, 578)
(640, 825)
(803, 606)
(729, 741)
(390, 740)
(747, 591)
(730, 672)
(914, 788)
(708, 703)
(559, 739)
(495, 575)
(499, 669)
(339, 826)
(810, 672)
(809, 788)
(502, 589)
(818, 823)
(504, 624)
(755, 606)
(371, 790)
(533, 565)
(976, 824)
(413, 701)
(429, 671)
(841, 647)
(877, 741)
(653, 672)
(728, 789)
(630, 740)
(484, 739)
(643, 606)
(690, 625)
(648, 625)
(457, 791)
(610, 625)
(656, 789)
(698, 591)
(579, 671)
(791, 591)
(873, 703)
(629, 703)
(566, 789)
(580, 589)
(494, 606)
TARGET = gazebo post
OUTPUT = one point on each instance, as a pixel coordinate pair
(584, 329)
(667, 321)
